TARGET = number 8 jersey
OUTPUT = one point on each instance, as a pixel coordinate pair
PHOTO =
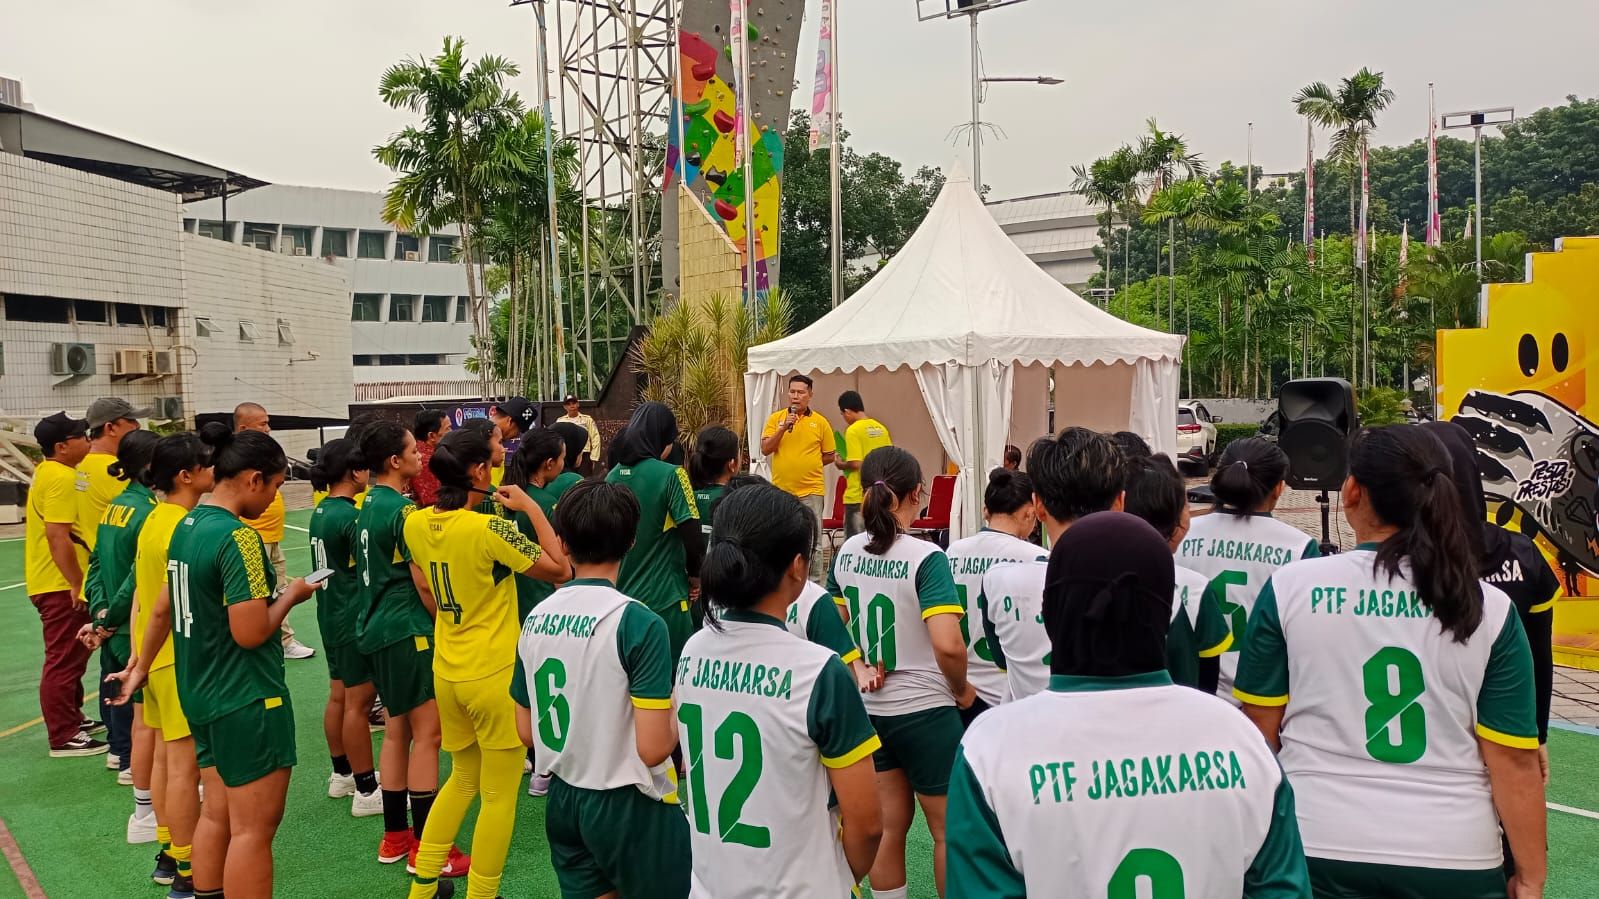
(1384, 710)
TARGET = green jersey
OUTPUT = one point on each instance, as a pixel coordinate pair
(655, 570)
(111, 576)
(706, 498)
(530, 591)
(334, 539)
(215, 561)
(391, 610)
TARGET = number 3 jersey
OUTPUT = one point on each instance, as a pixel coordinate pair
(1384, 710)
(587, 657)
(889, 597)
(762, 715)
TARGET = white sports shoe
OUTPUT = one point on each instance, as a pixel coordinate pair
(340, 785)
(294, 649)
(527, 766)
(538, 785)
(125, 777)
(113, 761)
(141, 829)
(367, 805)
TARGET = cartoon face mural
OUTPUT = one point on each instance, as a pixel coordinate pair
(1522, 386)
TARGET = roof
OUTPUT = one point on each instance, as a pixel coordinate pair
(37, 136)
(961, 291)
(1041, 207)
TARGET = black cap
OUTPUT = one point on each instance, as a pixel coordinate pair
(58, 428)
(519, 410)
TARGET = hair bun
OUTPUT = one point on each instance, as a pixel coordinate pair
(216, 435)
(1001, 477)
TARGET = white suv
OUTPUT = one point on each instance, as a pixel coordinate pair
(1196, 434)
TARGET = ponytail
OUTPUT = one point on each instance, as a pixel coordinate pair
(1250, 470)
(714, 447)
(234, 453)
(1404, 472)
(334, 462)
(133, 456)
(759, 532)
(888, 474)
(452, 463)
(173, 455)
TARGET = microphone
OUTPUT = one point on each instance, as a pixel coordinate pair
(793, 409)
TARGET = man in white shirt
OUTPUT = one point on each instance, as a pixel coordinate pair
(591, 451)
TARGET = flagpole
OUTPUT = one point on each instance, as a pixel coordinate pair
(835, 154)
(1310, 190)
(554, 271)
(1365, 268)
(1249, 161)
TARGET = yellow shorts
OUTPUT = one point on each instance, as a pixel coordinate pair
(477, 711)
(162, 710)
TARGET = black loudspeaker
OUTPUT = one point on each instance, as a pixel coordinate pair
(1318, 420)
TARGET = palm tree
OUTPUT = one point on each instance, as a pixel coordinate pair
(1111, 182)
(1164, 156)
(448, 164)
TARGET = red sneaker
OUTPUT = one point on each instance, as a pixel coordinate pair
(457, 865)
(396, 845)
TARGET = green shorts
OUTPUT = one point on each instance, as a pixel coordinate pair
(923, 743)
(680, 625)
(1330, 879)
(403, 673)
(616, 840)
(247, 744)
(347, 665)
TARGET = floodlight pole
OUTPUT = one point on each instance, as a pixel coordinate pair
(977, 115)
(1476, 120)
(1477, 140)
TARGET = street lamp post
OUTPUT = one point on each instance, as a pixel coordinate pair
(1476, 120)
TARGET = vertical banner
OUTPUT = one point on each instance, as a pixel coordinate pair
(1404, 262)
(1365, 208)
(1310, 192)
(741, 112)
(1435, 228)
(822, 93)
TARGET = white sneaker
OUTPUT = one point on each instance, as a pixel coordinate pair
(113, 762)
(527, 765)
(367, 805)
(294, 649)
(125, 777)
(141, 829)
(538, 785)
(340, 785)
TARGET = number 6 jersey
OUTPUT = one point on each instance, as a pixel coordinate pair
(1384, 710)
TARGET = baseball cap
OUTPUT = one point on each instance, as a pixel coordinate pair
(570, 398)
(519, 410)
(107, 409)
(54, 429)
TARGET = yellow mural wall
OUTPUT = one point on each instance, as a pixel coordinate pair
(1524, 386)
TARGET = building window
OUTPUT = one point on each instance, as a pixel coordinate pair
(441, 249)
(424, 359)
(129, 314)
(407, 248)
(366, 307)
(156, 316)
(248, 331)
(372, 244)
(365, 360)
(462, 306)
(203, 326)
(402, 307)
(296, 241)
(214, 230)
(285, 333)
(435, 309)
(391, 360)
(188, 225)
(336, 243)
(21, 308)
(89, 311)
(262, 237)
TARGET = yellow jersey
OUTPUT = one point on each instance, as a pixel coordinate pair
(52, 499)
(150, 574)
(469, 560)
(317, 496)
(860, 438)
(96, 489)
(797, 463)
(270, 524)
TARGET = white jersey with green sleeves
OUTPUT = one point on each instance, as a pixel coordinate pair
(969, 559)
(1239, 552)
(588, 656)
(814, 616)
(1013, 608)
(761, 717)
(1122, 788)
(889, 597)
(1384, 711)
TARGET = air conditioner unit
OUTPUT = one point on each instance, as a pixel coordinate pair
(71, 358)
(412, 256)
(302, 251)
(163, 362)
(167, 408)
(131, 363)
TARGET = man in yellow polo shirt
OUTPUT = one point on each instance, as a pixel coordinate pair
(800, 444)
(253, 417)
(862, 434)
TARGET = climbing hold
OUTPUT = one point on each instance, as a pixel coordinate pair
(715, 177)
(694, 159)
(704, 71)
(723, 122)
(698, 107)
(754, 33)
(726, 210)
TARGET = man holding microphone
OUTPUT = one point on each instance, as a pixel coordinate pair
(800, 444)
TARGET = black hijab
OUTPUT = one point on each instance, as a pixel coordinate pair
(651, 430)
(576, 438)
(1108, 598)
(1468, 481)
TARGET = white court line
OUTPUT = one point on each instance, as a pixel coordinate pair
(13, 586)
(295, 527)
(1557, 807)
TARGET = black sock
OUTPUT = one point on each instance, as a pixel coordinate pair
(341, 765)
(366, 782)
(421, 804)
(393, 810)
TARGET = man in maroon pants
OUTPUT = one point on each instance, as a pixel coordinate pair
(56, 558)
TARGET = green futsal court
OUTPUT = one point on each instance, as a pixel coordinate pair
(68, 816)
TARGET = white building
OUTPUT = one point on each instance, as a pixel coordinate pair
(1058, 231)
(102, 292)
(409, 311)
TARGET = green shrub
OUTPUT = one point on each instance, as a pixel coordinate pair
(1227, 433)
(1380, 406)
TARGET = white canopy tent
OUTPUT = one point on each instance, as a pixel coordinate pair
(956, 345)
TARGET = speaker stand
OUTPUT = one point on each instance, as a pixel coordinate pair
(1327, 546)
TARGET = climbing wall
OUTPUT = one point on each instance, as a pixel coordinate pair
(702, 151)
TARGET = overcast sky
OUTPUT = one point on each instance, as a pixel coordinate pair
(286, 90)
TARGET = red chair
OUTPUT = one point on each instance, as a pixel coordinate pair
(938, 506)
(834, 522)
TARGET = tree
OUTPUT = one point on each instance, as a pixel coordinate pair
(1111, 182)
(1351, 112)
(1164, 156)
(448, 165)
